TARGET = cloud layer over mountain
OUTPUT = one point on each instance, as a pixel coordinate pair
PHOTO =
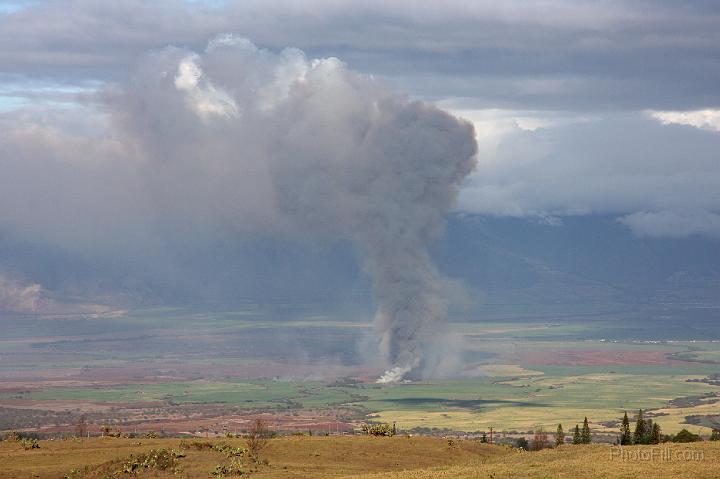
(121, 131)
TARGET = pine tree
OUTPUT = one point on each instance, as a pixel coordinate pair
(585, 436)
(648, 431)
(655, 434)
(625, 436)
(559, 436)
(640, 433)
(577, 439)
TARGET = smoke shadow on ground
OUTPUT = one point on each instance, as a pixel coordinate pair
(460, 403)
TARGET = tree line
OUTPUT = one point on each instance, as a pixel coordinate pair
(646, 431)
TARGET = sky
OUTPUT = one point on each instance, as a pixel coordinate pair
(579, 108)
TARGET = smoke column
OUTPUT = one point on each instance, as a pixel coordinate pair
(259, 141)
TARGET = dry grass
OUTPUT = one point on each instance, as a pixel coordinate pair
(289, 457)
(673, 418)
(367, 458)
(582, 462)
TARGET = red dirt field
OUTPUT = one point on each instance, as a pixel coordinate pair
(593, 357)
(84, 406)
(304, 421)
(149, 372)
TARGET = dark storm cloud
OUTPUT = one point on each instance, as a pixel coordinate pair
(551, 54)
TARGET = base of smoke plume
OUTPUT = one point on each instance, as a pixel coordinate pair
(441, 359)
(394, 375)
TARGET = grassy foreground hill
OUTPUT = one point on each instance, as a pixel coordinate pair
(360, 457)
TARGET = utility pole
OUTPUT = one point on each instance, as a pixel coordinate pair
(491, 435)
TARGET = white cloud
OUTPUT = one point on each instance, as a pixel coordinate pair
(202, 96)
(188, 75)
(703, 119)
(616, 164)
(673, 224)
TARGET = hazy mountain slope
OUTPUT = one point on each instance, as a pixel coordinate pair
(582, 260)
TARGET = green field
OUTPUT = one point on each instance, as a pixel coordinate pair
(511, 404)
(516, 375)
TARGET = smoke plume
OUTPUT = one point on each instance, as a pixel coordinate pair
(20, 297)
(16, 296)
(244, 139)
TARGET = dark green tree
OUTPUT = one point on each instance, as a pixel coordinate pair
(483, 438)
(522, 443)
(625, 435)
(559, 436)
(715, 435)
(655, 435)
(647, 439)
(577, 438)
(585, 436)
(640, 432)
(686, 436)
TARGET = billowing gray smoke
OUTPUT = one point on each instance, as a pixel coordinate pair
(252, 140)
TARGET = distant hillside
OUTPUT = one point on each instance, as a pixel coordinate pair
(577, 260)
(581, 260)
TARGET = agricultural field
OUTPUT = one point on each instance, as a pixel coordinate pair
(199, 372)
(359, 457)
(522, 404)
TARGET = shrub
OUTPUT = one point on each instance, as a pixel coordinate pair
(109, 431)
(158, 459)
(522, 443)
(75, 473)
(28, 444)
(540, 440)
(257, 439)
(199, 445)
(220, 470)
(377, 429)
(79, 473)
(230, 451)
(686, 436)
(234, 468)
(151, 435)
(13, 436)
